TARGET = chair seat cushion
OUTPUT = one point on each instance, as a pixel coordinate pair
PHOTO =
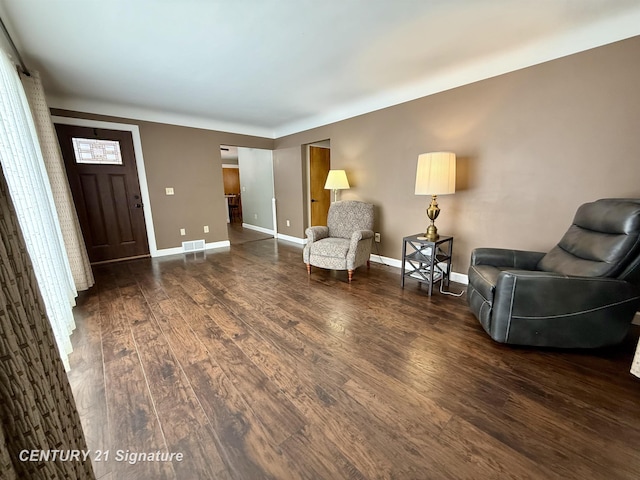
(331, 247)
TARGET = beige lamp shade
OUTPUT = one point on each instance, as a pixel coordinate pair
(337, 180)
(436, 174)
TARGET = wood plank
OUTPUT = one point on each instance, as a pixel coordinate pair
(470, 453)
(134, 424)
(278, 415)
(312, 399)
(248, 452)
(322, 458)
(303, 391)
(185, 427)
(300, 385)
(87, 377)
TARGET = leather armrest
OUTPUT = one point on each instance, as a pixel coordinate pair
(555, 310)
(316, 233)
(500, 257)
(545, 295)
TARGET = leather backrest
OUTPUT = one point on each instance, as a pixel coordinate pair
(603, 240)
(349, 216)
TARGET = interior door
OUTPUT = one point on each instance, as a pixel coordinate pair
(319, 165)
(231, 179)
(103, 176)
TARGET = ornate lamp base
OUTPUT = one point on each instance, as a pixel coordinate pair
(432, 233)
(432, 212)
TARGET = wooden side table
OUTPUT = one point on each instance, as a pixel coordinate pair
(423, 258)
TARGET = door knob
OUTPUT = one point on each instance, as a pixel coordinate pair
(138, 205)
(313, 200)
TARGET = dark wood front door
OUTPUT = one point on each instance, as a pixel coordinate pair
(102, 173)
(319, 165)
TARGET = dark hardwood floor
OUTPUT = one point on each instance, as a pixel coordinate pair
(251, 369)
(238, 234)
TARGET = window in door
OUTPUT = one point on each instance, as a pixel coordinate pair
(97, 152)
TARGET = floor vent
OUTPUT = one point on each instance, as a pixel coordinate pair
(193, 246)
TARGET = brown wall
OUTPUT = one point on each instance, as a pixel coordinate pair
(187, 159)
(289, 178)
(532, 146)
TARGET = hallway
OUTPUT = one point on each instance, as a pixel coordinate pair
(239, 235)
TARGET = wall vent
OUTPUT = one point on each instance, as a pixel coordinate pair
(193, 246)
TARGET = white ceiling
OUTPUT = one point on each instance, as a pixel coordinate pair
(274, 67)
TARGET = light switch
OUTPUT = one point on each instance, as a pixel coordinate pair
(169, 190)
(183, 232)
(206, 229)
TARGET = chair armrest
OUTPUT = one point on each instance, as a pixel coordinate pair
(500, 257)
(554, 310)
(316, 233)
(545, 295)
(359, 235)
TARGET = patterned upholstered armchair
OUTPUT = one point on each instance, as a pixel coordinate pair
(345, 243)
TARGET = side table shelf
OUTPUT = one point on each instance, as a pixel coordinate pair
(424, 258)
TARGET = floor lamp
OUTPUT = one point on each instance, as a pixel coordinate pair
(336, 180)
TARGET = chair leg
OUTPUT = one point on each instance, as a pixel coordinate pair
(368, 264)
(350, 275)
(309, 268)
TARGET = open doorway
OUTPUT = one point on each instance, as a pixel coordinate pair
(231, 179)
(248, 189)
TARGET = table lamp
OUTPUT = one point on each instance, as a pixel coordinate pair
(435, 175)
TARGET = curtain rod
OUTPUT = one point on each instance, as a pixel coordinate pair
(23, 68)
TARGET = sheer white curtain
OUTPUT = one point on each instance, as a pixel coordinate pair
(28, 183)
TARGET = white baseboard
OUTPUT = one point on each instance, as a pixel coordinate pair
(392, 262)
(396, 263)
(258, 229)
(163, 252)
(220, 244)
(289, 238)
(460, 278)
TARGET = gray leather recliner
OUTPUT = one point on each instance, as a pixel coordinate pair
(584, 293)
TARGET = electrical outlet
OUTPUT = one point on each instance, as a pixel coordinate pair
(255, 216)
(183, 232)
(288, 223)
(206, 229)
(377, 237)
(169, 191)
